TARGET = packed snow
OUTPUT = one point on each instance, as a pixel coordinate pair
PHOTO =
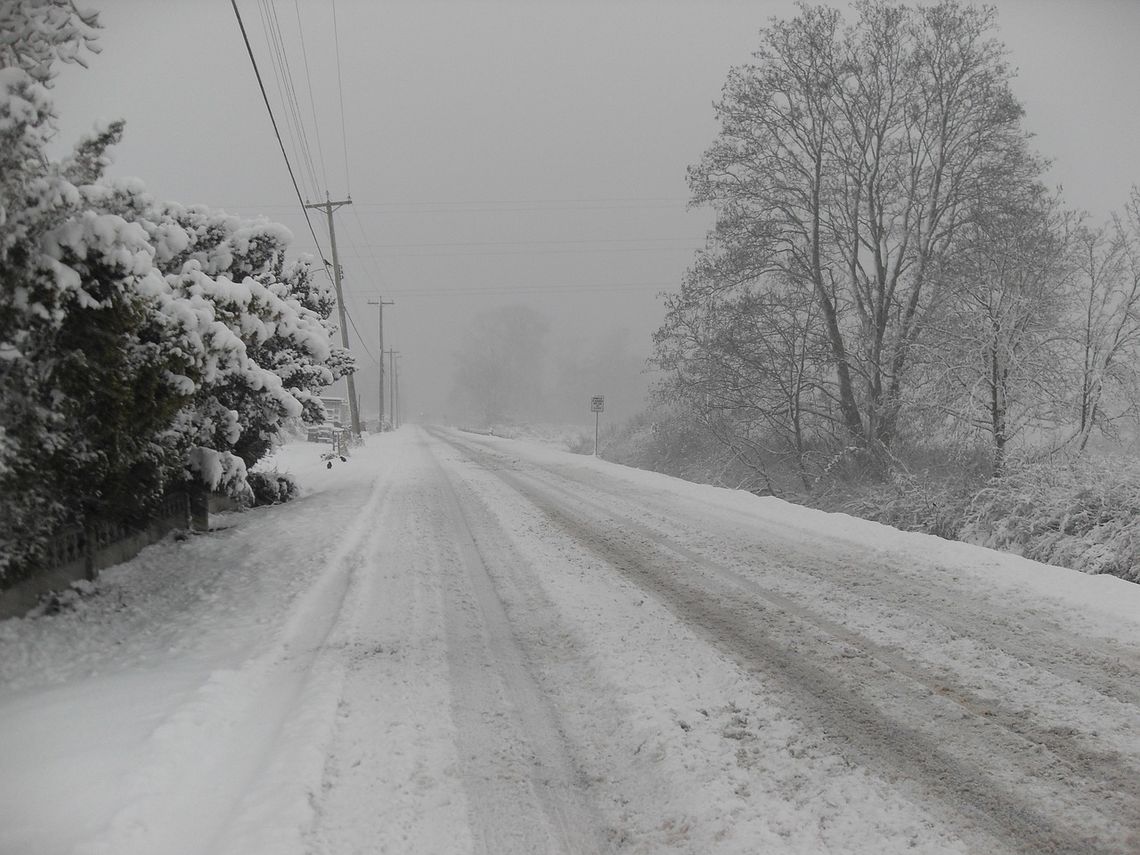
(457, 643)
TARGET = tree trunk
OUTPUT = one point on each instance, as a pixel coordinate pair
(997, 415)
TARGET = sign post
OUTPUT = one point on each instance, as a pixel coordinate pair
(597, 406)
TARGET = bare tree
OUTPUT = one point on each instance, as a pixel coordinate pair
(847, 163)
(1107, 315)
(752, 369)
(1001, 342)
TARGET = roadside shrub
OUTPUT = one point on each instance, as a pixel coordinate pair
(580, 444)
(924, 488)
(1084, 515)
(271, 488)
(913, 502)
(668, 440)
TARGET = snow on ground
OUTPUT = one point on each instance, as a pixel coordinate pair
(456, 643)
(103, 708)
(1100, 595)
(927, 600)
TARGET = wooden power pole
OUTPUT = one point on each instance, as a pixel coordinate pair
(393, 386)
(398, 408)
(328, 206)
(380, 304)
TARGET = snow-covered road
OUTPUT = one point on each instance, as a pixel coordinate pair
(457, 643)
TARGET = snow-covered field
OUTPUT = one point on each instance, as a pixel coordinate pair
(456, 643)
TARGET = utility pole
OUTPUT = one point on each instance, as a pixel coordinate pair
(397, 413)
(392, 386)
(328, 206)
(380, 304)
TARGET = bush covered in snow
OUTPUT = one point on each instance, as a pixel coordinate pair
(913, 503)
(142, 345)
(271, 488)
(1083, 515)
(1077, 513)
(579, 443)
(665, 439)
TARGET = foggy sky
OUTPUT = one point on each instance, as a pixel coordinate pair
(526, 153)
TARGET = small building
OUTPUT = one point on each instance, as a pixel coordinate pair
(337, 410)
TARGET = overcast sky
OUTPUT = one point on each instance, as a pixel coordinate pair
(529, 152)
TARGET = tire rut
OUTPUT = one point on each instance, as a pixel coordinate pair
(1103, 668)
(767, 636)
(515, 759)
(1113, 672)
(747, 633)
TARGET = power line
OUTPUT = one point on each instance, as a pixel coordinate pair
(352, 323)
(559, 241)
(578, 246)
(686, 250)
(359, 337)
(537, 201)
(276, 130)
(289, 117)
(280, 57)
(494, 205)
(312, 100)
(377, 272)
(340, 90)
(285, 83)
(557, 288)
(294, 99)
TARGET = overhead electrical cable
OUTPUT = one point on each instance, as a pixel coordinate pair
(340, 90)
(496, 253)
(288, 119)
(376, 271)
(277, 131)
(288, 91)
(555, 242)
(570, 202)
(359, 337)
(280, 67)
(312, 100)
(296, 102)
(567, 201)
(561, 288)
(517, 206)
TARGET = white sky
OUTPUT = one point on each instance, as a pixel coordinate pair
(525, 151)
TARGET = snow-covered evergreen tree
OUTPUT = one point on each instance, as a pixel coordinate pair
(281, 355)
(142, 345)
(42, 359)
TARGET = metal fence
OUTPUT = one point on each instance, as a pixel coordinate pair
(80, 552)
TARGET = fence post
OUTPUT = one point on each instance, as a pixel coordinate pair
(199, 500)
(184, 508)
(89, 547)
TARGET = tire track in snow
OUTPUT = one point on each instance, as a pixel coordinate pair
(771, 640)
(1090, 763)
(769, 637)
(218, 780)
(525, 794)
(390, 781)
(1102, 667)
